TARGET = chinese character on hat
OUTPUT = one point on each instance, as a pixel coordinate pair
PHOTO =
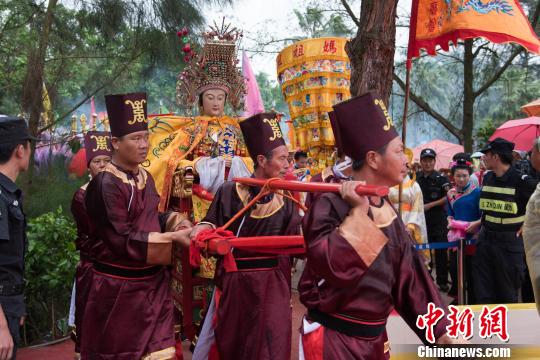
(364, 125)
(262, 134)
(127, 113)
(97, 143)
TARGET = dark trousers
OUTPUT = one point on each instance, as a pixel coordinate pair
(441, 258)
(499, 267)
(527, 294)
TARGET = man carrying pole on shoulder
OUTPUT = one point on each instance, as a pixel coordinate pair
(361, 262)
(253, 314)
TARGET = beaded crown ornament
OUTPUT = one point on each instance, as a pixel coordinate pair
(214, 68)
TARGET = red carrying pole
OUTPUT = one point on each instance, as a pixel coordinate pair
(223, 246)
(363, 190)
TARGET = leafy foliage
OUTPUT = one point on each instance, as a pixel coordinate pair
(271, 94)
(50, 188)
(94, 47)
(314, 22)
(50, 268)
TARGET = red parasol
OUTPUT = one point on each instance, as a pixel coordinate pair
(522, 132)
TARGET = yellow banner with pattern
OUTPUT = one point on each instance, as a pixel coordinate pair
(314, 75)
(312, 49)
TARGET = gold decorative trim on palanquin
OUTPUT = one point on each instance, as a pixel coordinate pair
(343, 75)
(208, 267)
(312, 49)
(259, 211)
(183, 179)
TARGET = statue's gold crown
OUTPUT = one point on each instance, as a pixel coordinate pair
(215, 68)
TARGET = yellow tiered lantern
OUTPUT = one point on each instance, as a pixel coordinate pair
(314, 74)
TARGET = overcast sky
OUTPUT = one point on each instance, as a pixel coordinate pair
(265, 18)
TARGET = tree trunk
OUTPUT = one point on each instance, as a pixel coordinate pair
(371, 52)
(32, 98)
(33, 84)
(468, 96)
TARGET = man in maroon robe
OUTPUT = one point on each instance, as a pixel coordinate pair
(129, 310)
(97, 145)
(253, 312)
(361, 263)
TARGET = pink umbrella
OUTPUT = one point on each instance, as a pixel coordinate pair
(445, 151)
(521, 132)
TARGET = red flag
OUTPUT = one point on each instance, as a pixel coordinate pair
(439, 22)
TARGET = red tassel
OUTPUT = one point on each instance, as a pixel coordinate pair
(201, 243)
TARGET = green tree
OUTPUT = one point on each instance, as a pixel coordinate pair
(76, 50)
(481, 65)
(315, 22)
(88, 48)
(271, 94)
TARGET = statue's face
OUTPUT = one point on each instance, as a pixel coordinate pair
(213, 102)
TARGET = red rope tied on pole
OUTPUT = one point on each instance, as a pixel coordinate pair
(220, 240)
(201, 244)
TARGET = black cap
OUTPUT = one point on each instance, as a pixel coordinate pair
(462, 155)
(499, 145)
(428, 153)
(13, 129)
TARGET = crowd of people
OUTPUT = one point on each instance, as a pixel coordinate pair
(361, 262)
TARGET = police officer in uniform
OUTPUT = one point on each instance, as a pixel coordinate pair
(499, 263)
(14, 157)
(434, 187)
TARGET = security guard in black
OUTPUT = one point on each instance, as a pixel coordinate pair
(14, 157)
(434, 187)
(500, 260)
